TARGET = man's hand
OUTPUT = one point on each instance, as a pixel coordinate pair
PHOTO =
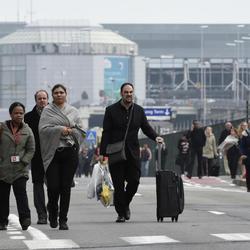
(159, 139)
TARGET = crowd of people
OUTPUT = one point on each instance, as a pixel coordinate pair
(49, 140)
(233, 147)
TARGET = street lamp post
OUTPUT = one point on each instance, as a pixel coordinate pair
(203, 75)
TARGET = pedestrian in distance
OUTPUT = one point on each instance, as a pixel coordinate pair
(17, 147)
(224, 133)
(230, 147)
(182, 159)
(245, 150)
(60, 137)
(209, 152)
(197, 139)
(115, 122)
(37, 170)
(145, 157)
(241, 128)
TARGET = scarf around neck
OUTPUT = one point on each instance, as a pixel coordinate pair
(51, 125)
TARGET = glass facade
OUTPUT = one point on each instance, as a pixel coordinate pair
(12, 80)
(166, 77)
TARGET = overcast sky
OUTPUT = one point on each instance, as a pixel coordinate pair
(129, 11)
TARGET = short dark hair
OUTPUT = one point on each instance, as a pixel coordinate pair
(41, 90)
(59, 85)
(16, 104)
(126, 83)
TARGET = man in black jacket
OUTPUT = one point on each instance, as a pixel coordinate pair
(37, 169)
(197, 139)
(114, 126)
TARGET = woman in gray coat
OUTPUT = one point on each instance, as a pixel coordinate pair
(17, 147)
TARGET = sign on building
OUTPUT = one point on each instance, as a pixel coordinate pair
(156, 114)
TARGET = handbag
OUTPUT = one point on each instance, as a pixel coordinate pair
(116, 151)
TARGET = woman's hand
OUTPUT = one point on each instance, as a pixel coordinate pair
(66, 131)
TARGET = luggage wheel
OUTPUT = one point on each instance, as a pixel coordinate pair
(160, 219)
(174, 218)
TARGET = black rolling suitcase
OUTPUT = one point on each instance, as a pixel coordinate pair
(169, 192)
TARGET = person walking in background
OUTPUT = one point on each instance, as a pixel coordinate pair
(145, 157)
(60, 139)
(245, 150)
(224, 133)
(230, 148)
(37, 170)
(242, 127)
(197, 139)
(82, 160)
(182, 159)
(209, 151)
(115, 122)
(17, 147)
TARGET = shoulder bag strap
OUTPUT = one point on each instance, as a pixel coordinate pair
(130, 118)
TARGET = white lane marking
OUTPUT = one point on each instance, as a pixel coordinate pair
(20, 237)
(50, 244)
(157, 239)
(41, 240)
(11, 228)
(210, 188)
(234, 236)
(216, 212)
(14, 232)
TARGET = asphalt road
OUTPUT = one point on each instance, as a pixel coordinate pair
(216, 216)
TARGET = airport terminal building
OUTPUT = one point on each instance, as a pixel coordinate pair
(91, 61)
(196, 66)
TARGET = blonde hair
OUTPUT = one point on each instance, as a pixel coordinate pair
(241, 129)
(208, 131)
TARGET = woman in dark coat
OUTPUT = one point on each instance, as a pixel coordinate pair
(17, 146)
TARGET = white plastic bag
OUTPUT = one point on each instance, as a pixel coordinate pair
(101, 185)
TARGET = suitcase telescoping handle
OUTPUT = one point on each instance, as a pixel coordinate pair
(158, 166)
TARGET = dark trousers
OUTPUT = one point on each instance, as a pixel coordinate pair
(248, 177)
(39, 200)
(195, 152)
(183, 162)
(233, 155)
(207, 165)
(130, 172)
(19, 189)
(60, 174)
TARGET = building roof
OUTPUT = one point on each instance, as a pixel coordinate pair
(67, 33)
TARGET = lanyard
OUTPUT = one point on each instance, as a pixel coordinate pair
(16, 133)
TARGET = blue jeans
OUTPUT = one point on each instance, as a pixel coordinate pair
(144, 168)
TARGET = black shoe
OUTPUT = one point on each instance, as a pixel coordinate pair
(25, 223)
(200, 177)
(42, 221)
(188, 176)
(120, 219)
(53, 223)
(127, 213)
(63, 226)
(3, 226)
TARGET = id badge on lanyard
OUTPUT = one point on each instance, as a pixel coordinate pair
(14, 158)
